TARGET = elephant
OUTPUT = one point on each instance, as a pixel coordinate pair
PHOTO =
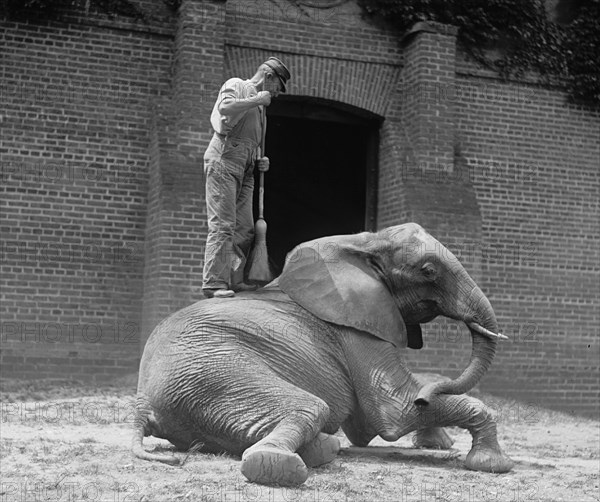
(272, 375)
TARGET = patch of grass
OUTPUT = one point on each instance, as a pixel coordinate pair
(15, 390)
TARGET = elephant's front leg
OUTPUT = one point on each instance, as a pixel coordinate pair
(273, 459)
(468, 413)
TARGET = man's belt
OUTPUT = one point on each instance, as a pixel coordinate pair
(227, 137)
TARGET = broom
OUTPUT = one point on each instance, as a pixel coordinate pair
(260, 272)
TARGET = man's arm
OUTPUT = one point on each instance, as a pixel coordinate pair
(236, 97)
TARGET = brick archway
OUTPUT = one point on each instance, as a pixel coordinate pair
(367, 86)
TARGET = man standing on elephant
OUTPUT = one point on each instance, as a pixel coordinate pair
(239, 120)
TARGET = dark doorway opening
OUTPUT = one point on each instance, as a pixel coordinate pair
(323, 174)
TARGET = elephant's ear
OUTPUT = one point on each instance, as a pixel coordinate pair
(338, 286)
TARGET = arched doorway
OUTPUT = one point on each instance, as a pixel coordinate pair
(323, 176)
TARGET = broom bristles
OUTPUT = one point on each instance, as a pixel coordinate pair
(260, 272)
(259, 269)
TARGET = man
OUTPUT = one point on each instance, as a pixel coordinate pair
(239, 120)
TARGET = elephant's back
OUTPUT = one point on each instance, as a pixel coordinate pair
(264, 330)
(220, 313)
(265, 317)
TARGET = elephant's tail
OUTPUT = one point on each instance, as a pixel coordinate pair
(142, 414)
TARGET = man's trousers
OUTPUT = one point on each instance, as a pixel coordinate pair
(229, 174)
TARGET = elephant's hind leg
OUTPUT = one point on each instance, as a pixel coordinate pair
(273, 459)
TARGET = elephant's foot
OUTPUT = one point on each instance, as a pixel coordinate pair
(488, 456)
(433, 437)
(269, 465)
(321, 450)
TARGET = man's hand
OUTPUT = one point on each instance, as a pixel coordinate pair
(263, 164)
(263, 98)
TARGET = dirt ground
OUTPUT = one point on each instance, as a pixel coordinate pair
(66, 442)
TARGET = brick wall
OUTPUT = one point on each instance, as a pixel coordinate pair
(103, 211)
(176, 219)
(535, 165)
(74, 153)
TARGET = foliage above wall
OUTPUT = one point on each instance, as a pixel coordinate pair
(36, 10)
(49, 9)
(514, 36)
(509, 36)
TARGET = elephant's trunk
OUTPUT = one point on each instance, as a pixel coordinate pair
(481, 321)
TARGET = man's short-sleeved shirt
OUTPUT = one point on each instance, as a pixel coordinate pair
(246, 124)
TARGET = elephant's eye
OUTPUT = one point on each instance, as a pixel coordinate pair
(428, 271)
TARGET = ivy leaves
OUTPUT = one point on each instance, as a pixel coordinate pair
(514, 37)
(581, 44)
(37, 10)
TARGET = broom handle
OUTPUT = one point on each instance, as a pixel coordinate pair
(261, 196)
(261, 186)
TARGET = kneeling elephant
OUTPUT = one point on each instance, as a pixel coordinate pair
(271, 375)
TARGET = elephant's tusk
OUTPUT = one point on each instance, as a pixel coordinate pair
(486, 332)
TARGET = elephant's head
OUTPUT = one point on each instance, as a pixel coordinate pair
(387, 284)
